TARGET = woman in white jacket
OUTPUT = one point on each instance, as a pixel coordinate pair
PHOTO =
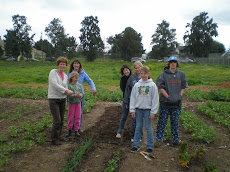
(57, 91)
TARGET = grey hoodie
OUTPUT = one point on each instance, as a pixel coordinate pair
(144, 95)
(172, 83)
(133, 79)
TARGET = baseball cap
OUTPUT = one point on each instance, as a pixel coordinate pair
(172, 59)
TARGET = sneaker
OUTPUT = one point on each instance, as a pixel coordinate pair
(118, 135)
(77, 134)
(149, 151)
(131, 140)
(134, 150)
(158, 144)
(178, 144)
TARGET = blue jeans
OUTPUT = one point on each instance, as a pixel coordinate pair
(140, 115)
(174, 123)
(124, 116)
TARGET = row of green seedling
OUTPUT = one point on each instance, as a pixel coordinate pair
(209, 112)
(197, 128)
(78, 155)
(220, 107)
(217, 95)
(30, 133)
(112, 164)
(23, 92)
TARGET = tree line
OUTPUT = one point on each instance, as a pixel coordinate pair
(198, 40)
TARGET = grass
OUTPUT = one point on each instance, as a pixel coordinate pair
(105, 72)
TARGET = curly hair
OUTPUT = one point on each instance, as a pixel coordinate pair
(62, 60)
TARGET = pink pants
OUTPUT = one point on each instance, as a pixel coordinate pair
(74, 111)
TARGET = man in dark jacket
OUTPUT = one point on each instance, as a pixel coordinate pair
(171, 84)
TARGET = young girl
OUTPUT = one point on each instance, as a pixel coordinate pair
(74, 106)
(144, 102)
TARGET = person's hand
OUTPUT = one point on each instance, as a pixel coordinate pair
(151, 116)
(69, 92)
(133, 115)
(94, 92)
(78, 94)
(127, 106)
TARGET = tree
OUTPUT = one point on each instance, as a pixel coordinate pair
(126, 44)
(19, 43)
(1, 51)
(45, 46)
(198, 38)
(11, 44)
(56, 33)
(163, 41)
(217, 47)
(90, 38)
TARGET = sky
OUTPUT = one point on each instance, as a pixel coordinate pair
(115, 15)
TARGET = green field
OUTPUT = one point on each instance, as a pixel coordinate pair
(106, 72)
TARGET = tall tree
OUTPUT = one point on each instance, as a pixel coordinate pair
(90, 38)
(198, 38)
(20, 38)
(56, 33)
(126, 44)
(163, 40)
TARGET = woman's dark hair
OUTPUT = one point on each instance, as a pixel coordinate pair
(71, 66)
(123, 67)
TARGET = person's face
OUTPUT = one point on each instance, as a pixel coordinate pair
(173, 64)
(75, 79)
(144, 76)
(61, 66)
(137, 69)
(126, 72)
(76, 66)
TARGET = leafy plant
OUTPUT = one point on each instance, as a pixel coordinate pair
(112, 164)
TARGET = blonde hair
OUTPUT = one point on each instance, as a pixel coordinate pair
(146, 70)
(137, 63)
(73, 74)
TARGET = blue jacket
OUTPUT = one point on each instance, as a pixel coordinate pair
(84, 77)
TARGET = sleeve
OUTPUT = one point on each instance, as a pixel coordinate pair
(184, 83)
(155, 100)
(54, 83)
(122, 86)
(160, 81)
(132, 100)
(89, 81)
(71, 88)
(128, 90)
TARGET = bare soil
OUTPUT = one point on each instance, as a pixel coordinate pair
(103, 122)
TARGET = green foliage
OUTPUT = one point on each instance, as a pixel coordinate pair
(163, 41)
(90, 38)
(210, 168)
(198, 129)
(195, 95)
(77, 157)
(199, 36)
(219, 95)
(220, 107)
(112, 164)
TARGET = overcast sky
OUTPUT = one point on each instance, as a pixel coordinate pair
(114, 16)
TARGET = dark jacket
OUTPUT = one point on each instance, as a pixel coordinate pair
(123, 82)
(172, 83)
(133, 79)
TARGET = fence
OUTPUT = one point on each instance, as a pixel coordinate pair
(213, 61)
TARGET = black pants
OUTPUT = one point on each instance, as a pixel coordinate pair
(57, 110)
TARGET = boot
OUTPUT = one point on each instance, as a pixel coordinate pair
(69, 133)
(77, 134)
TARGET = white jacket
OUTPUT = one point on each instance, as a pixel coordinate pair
(57, 87)
(144, 95)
